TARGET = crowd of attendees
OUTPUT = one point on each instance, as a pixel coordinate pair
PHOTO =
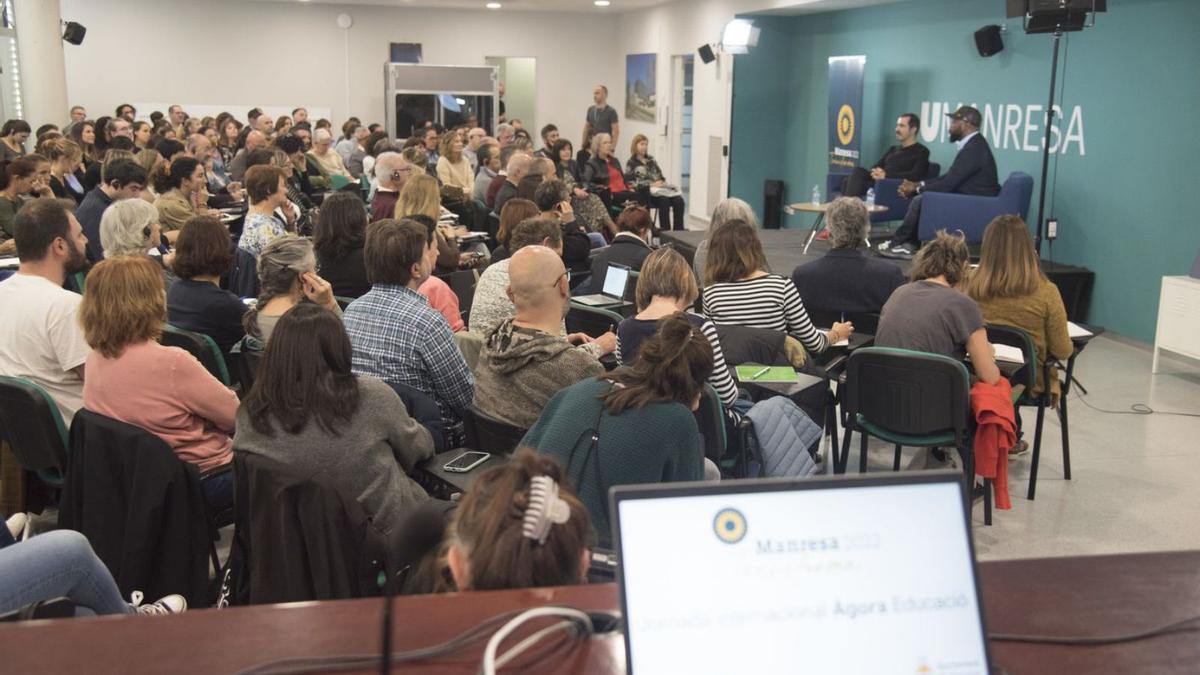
(359, 340)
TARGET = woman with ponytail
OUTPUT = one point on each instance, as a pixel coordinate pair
(634, 424)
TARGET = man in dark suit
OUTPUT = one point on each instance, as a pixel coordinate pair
(973, 173)
(846, 279)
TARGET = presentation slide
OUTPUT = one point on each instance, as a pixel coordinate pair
(850, 580)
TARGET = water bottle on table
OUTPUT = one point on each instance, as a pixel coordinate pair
(870, 199)
(816, 195)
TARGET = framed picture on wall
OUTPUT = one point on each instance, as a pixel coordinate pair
(640, 88)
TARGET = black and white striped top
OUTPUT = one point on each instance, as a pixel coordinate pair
(770, 302)
(632, 331)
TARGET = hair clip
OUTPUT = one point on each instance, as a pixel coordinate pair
(545, 509)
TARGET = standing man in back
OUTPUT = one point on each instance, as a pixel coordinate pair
(601, 117)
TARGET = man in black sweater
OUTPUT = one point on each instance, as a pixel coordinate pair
(973, 173)
(907, 161)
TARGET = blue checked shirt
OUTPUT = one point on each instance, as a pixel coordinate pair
(397, 337)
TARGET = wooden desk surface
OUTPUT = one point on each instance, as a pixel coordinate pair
(1054, 596)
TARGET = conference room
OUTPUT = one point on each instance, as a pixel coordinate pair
(648, 336)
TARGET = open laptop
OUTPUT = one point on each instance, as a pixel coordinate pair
(824, 575)
(616, 279)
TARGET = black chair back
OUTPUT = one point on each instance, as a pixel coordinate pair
(243, 274)
(200, 346)
(907, 392)
(245, 368)
(1012, 336)
(863, 322)
(33, 427)
(56, 608)
(743, 344)
(710, 418)
(488, 434)
(592, 321)
(462, 282)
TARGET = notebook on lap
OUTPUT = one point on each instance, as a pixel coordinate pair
(616, 279)
(847, 575)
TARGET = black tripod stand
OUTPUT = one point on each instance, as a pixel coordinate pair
(1041, 220)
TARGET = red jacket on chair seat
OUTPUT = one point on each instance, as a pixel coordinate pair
(995, 433)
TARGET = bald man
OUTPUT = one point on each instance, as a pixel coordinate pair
(515, 170)
(255, 140)
(526, 360)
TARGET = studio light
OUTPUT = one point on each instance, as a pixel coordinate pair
(739, 36)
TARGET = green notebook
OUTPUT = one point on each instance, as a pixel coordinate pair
(755, 373)
(337, 181)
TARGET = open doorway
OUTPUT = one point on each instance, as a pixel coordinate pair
(518, 77)
(682, 70)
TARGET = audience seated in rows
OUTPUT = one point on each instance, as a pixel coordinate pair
(489, 545)
(629, 247)
(526, 360)
(65, 157)
(488, 159)
(40, 337)
(930, 314)
(338, 240)
(396, 336)
(287, 276)
(267, 190)
(329, 162)
(588, 207)
(196, 301)
(453, 169)
(121, 179)
(307, 410)
(515, 211)
(27, 178)
(255, 140)
(846, 279)
(421, 196)
(740, 291)
(164, 390)
(180, 194)
(1012, 290)
(504, 186)
(603, 175)
(634, 424)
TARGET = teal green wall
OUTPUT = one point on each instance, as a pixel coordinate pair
(1126, 207)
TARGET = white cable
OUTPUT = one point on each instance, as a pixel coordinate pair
(519, 648)
(489, 653)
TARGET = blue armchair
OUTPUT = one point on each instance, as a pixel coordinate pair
(885, 193)
(970, 213)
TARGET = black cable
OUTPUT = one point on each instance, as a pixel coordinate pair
(1186, 625)
(1062, 93)
(1135, 409)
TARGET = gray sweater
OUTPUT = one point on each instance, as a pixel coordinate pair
(368, 457)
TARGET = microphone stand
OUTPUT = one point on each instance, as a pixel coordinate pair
(1046, 143)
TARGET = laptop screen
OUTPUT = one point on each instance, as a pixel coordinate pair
(814, 576)
(615, 280)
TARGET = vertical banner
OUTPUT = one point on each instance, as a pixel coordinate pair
(845, 111)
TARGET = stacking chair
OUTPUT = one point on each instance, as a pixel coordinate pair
(200, 346)
(33, 427)
(245, 365)
(864, 322)
(912, 399)
(1027, 376)
(732, 455)
(488, 434)
(593, 321)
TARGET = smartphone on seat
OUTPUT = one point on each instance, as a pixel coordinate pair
(467, 461)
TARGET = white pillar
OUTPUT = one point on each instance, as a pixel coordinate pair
(43, 71)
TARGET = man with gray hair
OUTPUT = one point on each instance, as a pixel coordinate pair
(515, 170)
(846, 279)
(326, 159)
(475, 138)
(255, 140)
(526, 360)
(392, 171)
(505, 133)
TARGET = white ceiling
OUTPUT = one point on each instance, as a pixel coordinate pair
(617, 6)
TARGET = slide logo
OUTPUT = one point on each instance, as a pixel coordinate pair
(730, 526)
(845, 125)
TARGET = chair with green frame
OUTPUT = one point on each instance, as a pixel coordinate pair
(1025, 376)
(33, 427)
(200, 346)
(909, 399)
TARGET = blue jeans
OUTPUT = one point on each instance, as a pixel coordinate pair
(218, 491)
(597, 240)
(53, 565)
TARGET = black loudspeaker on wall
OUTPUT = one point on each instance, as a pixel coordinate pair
(988, 40)
(74, 33)
(706, 53)
(772, 204)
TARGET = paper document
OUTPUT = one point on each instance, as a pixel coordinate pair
(1077, 331)
(1008, 353)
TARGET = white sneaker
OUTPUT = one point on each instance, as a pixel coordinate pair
(19, 525)
(168, 604)
(884, 246)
